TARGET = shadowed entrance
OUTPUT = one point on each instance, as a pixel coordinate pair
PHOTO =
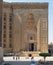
(31, 47)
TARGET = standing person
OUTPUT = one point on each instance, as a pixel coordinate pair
(32, 58)
(13, 57)
(16, 57)
(32, 61)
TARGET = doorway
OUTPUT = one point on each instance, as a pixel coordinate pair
(31, 47)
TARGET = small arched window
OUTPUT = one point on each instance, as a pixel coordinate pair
(31, 38)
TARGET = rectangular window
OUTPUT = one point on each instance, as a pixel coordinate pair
(10, 45)
(10, 35)
(4, 23)
(31, 38)
(4, 16)
(4, 26)
(4, 45)
(10, 27)
(10, 17)
(4, 35)
(4, 40)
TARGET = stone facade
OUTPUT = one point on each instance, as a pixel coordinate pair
(0, 23)
(25, 27)
(1, 49)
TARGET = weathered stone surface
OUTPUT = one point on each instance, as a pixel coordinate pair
(1, 50)
(29, 27)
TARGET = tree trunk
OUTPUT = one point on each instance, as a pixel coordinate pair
(44, 60)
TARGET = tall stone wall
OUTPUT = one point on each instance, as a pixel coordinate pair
(28, 19)
(1, 50)
(0, 23)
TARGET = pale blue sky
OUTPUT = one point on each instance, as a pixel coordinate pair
(50, 16)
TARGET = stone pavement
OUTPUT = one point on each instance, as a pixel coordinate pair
(46, 63)
(27, 63)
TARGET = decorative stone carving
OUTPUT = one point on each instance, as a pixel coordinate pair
(30, 23)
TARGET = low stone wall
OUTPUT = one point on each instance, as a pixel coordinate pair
(36, 54)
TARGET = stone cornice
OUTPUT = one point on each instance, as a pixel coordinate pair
(30, 5)
(6, 5)
(27, 5)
